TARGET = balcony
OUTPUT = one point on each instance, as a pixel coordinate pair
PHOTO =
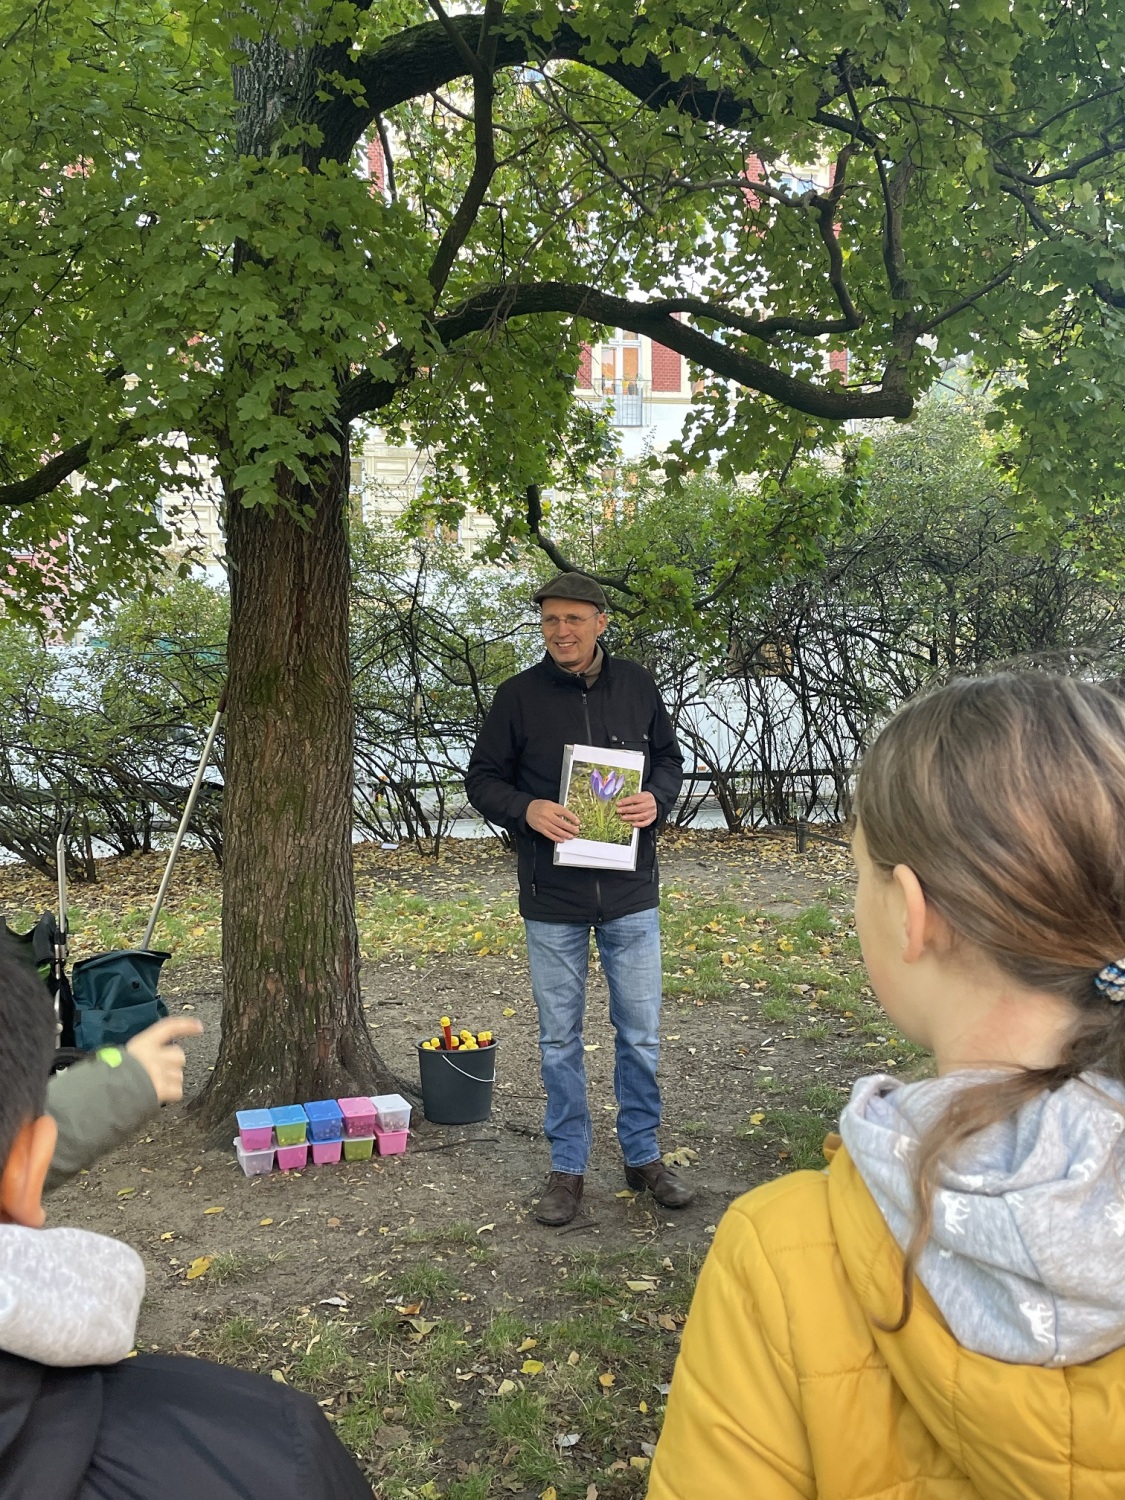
(627, 401)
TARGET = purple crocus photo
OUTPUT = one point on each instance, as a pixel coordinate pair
(606, 787)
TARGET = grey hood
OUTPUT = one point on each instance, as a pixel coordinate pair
(68, 1297)
(1026, 1258)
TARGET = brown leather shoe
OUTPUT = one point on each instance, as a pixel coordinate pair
(559, 1203)
(669, 1190)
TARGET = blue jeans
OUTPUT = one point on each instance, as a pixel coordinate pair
(559, 954)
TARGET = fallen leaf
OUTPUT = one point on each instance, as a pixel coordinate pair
(484, 1228)
(333, 1302)
(642, 1407)
(567, 1439)
(410, 1309)
(591, 1492)
(423, 1326)
(218, 1209)
(453, 1405)
(648, 1449)
(264, 1223)
(681, 1158)
(199, 1267)
(333, 1223)
(125, 1192)
(550, 1493)
(591, 1046)
(526, 1345)
(279, 1377)
(666, 1323)
(573, 1357)
(509, 1013)
(605, 1380)
(641, 1286)
(506, 1387)
(625, 1192)
(663, 1390)
(637, 1462)
(531, 1367)
(757, 1117)
(168, 1235)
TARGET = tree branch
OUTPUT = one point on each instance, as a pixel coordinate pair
(484, 147)
(494, 307)
(51, 474)
(564, 565)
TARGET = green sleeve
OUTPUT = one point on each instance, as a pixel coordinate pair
(96, 1107)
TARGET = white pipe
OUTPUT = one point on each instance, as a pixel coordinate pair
(184, 821)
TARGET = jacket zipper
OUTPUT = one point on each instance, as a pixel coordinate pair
(590, 740)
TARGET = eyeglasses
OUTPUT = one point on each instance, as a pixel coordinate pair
(552, 622)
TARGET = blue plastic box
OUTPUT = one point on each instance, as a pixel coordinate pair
(325, 1120)
(291, 1124)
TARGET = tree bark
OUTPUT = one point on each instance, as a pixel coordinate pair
(293, 1022)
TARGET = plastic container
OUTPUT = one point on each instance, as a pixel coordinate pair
(359, 1116)
(293, 1158)
(390, 1142)
(324, 1152)
(253, 1163)
(325, 1120)
(392, 1113)
(457, 1086)
(358, 1147)
(255, 1129)
(291, 1124)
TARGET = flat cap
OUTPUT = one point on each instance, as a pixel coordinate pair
(572, 586)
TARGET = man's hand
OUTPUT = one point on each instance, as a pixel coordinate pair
(639, 810)
(552, 820)
(156, 1051)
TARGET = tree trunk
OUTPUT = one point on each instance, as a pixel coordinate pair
(293, 1023)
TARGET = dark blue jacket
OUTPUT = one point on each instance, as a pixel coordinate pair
(518, 759)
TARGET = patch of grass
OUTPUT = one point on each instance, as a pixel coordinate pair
(238, 1341)
(473, 1486)
(361, 1419)
(802, 1134)
(329, 1353)
(778, 1008)
(443, 1348)
(816, 1032)
(447, 1235)
(416, 1283)
(598, 1332)
(504, 1332)
(587, 1280)
(424, 1403)
(695, 1128)
(521, 1421)
(824, 1098)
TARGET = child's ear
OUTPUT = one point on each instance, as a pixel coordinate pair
(915, 913)
(25, 1171)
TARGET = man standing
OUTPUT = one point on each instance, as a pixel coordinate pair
(579, 694)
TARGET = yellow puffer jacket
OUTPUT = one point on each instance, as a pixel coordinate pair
(785, 1387)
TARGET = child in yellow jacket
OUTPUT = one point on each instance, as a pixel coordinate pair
(941, 1314)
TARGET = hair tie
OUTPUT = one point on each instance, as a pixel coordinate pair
(1110, 982)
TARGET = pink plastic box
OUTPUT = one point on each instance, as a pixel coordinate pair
(359, 1116)
(391, 1142)
(293, 1158)
(324, 1152)
(255, 1129)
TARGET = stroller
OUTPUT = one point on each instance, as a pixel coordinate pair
(113, 996)
(109, 998)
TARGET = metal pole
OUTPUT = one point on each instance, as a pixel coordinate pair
(181, 831)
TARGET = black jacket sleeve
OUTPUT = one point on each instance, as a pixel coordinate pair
(490, 778)
(666, 773)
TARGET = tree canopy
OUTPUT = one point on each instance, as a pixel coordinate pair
(188, 249)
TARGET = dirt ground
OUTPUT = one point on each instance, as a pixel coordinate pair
(351, 1241)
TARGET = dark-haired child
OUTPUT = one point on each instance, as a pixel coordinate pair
(941, 1315)
(78, 1420)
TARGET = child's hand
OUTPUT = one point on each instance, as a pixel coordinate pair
(156, 1051)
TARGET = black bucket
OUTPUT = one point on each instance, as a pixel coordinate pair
(457, 1086)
